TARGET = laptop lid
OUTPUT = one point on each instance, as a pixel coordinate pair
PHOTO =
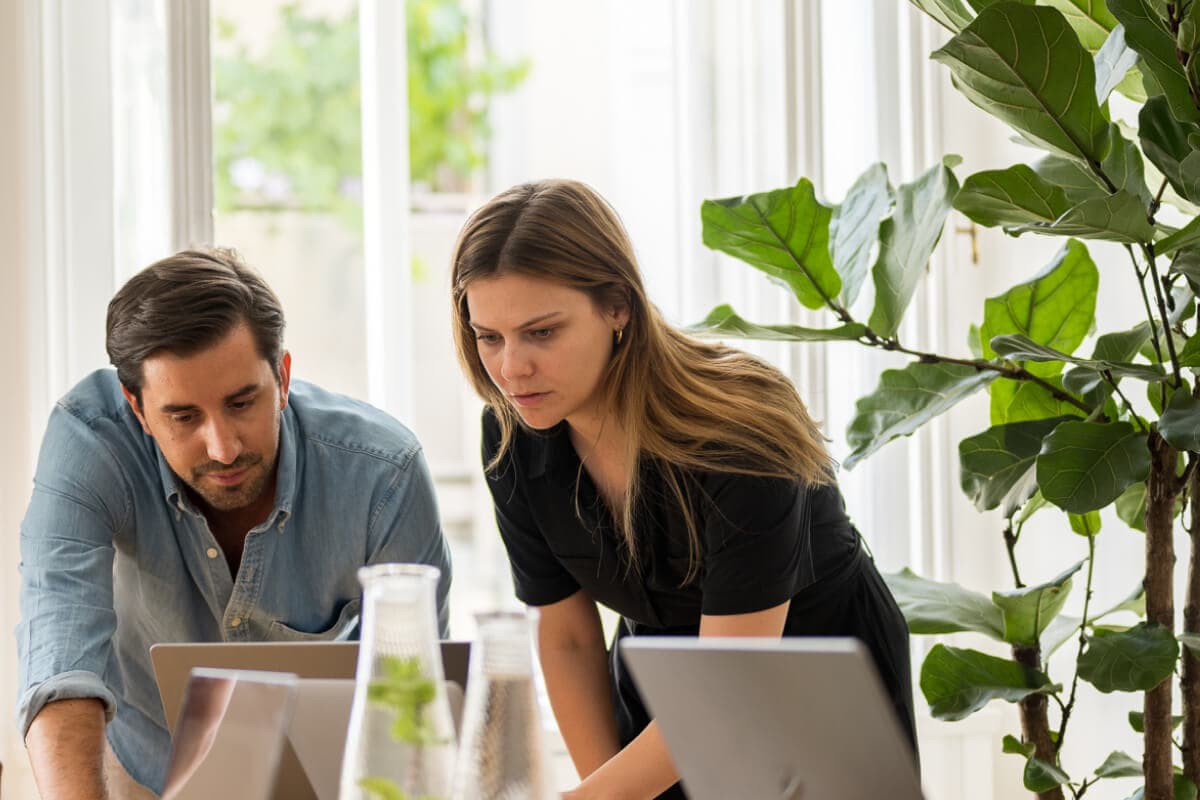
(229, 735)
(173, 662)
(774, 719)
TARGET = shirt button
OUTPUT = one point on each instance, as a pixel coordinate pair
(212, 552)
(233, 623)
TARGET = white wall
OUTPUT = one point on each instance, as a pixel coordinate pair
(15, 469)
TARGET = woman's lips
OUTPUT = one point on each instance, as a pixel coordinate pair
(529, 400)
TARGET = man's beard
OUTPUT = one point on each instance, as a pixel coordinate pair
(231, 498)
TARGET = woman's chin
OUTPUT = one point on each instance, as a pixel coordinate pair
(538, 419)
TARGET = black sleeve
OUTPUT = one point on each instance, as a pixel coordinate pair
(757, 537)
(538, 577)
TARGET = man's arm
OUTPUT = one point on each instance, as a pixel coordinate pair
(66, 750)
(408, 529)
(64, 639)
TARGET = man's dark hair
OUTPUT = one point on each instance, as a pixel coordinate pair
(186, 303)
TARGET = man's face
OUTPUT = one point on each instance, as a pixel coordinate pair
(215, 416)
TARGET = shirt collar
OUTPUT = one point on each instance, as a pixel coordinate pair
(285, 476)
(552, 454)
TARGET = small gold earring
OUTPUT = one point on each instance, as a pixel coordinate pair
(620, 333)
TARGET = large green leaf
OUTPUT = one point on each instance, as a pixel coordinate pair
(1061, 630)
(1189, 356)
(1180, 422)
(1165, 141)
(1015, 401)
(997, 461)
(1113, 61)
(1084, 466)
(905, 400)
(1077, 181)
(1089, 18)
(1042, 776)
(930, 607)
(1056, 308)
(906, 241)
(1145, 33)
(1123, 166)
(724, 321)
(1187, 236)
(950, 14)
(1085, 524)
(1119, 765)
(1131, 506)
(1027, 611)
(1025, 66)
(1135, 603)
(784, 233)
(958, 682)
(1022, 348)
(1013, 196)
(1135, 660)
(854, 228)
(1119, 217)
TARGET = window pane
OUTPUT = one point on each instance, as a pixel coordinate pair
(287, 155)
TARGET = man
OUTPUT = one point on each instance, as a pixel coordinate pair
(195, 494)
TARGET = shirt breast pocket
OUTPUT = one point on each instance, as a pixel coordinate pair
(344, 628)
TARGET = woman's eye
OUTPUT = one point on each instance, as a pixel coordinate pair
(542, 333)
(487, 338)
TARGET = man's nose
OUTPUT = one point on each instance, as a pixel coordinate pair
(222, 441)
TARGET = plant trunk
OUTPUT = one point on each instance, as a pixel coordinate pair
(1191, 624)
(1161, 490)
(1035, 721)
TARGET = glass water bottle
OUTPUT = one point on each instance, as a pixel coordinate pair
(401, 736)
(502, 755)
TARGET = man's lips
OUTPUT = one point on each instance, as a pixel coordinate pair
(228, 478)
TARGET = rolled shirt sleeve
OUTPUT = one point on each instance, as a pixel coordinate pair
(64, 638)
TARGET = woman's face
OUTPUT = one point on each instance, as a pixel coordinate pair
(544, 345)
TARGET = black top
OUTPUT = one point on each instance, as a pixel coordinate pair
(763, 540)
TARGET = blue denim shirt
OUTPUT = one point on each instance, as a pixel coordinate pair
(115, 557)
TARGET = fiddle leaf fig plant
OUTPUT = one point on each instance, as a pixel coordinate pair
(1082, 415)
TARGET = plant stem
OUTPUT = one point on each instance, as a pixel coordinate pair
(1035, 721)
(1161, 490)
(1146, 304)
(1157, 202)
(1087, 599)
(1010, 544)
(1113, 383)
(1190, 683)
(1152, 269)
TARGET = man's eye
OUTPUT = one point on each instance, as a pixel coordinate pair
(542, 333)
(241, 405)
(182, 419)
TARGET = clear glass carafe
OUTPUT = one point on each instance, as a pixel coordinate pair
(502, 755)
(401, 737)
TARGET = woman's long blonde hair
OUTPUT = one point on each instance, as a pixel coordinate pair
(685, 404)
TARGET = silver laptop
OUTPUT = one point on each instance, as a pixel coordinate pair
(230, 735)
(174, 662)
(774, 719)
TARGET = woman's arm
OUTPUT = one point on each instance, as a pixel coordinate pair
(643, 770)
(575, 663)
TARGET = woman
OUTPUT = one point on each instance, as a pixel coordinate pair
(681, 484)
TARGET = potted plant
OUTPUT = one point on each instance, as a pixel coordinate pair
(1078, 422)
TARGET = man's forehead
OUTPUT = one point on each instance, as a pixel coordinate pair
(212, 374)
